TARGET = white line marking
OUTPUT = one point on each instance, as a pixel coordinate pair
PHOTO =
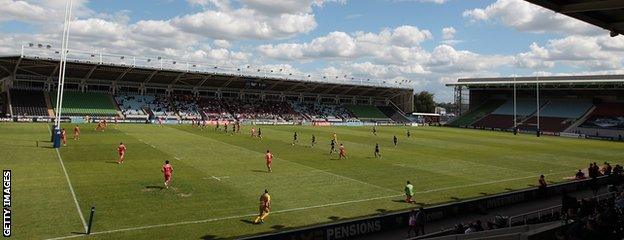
(177, 158)
(152, 146)
(218, 179)
(71, 189)
(486, 183)
(226, 218)
(288, 210)
(340, 176)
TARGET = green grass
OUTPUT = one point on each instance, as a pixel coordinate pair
(307, 187)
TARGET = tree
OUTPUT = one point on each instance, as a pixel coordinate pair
(423, 102)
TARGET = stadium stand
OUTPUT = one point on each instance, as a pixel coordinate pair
(214, 109)
(86, 104)
(2, 105)
(502, 117)
(557, 115)
(28, 103)
(158, 106)
(261, 110)
(322, 112)
(606, 116)
(132, 106)
(394, 114)
(477, 113)
(186, 106)
(367, 113)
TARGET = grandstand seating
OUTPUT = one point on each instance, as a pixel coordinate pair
(28, 103)
(557, 115)
(132, 106)
(322, 112)
(2, 105)
(565, 108)
(495, 121)
(83, 104)
(477, 113)
(394, 114)
(262, 110)
(524, 107)
(547, 124)
(186, 106)
(606, 116)
(368, 112)
(214, 109)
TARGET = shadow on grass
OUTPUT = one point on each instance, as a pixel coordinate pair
(456, 199)
(484, 193)
(278, 227)
(111, 162)
(209, 237)
(260, 171)
(155, 187)
(382, 210)
(509, 189)
(247, 221)
(334, 218)
(79, 233)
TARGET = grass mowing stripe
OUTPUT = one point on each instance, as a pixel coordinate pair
(299, 164)
(294, 209)
(71, 189)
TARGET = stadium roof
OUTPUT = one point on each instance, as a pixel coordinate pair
(560, 80)
(607, 14)
(129, 75)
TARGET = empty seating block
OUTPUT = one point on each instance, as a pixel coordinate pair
(477, 113)
(368, 112)
(82, 104)
(28, 103)
(495, 121)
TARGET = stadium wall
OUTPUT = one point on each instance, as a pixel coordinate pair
(386, 222)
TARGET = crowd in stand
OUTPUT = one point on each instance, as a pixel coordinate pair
(593, 219)
(186, 105)
(211, 109)
(214, 109)
(588, 217)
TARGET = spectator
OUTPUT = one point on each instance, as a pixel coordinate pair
(411, 223)
(420, 221)
(579, 175)
(542, 186)
(606, 169)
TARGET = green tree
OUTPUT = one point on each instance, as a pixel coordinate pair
(423, 102)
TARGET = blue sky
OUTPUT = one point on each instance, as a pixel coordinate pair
(429, 42)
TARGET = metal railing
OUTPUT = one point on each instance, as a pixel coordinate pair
(550, 211)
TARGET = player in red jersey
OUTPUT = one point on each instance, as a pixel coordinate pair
(64, 137)
(253, 132)
(121, 149)
(167, 169)
(76, 132)
(343, 152)
(269, 160)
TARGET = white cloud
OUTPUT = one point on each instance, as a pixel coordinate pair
(448, 33)
(401, 42)
(595, 53)
(524, 16)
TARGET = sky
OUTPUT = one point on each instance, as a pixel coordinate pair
(428, 42)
